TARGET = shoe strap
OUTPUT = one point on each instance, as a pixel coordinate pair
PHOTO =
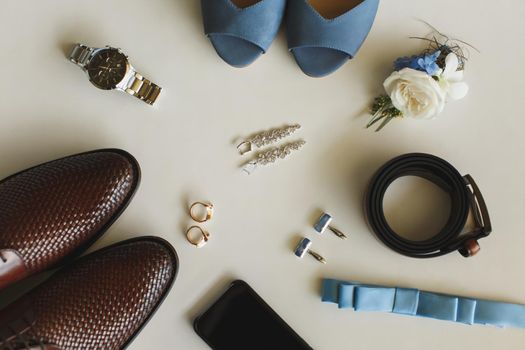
(12, 267)
(346, 33)
(257, 24)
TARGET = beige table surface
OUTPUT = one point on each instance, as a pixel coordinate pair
(48, 109)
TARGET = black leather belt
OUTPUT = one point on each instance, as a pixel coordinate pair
(465, 198)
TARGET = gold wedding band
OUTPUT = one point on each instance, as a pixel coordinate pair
(206, 217)
(200, 242)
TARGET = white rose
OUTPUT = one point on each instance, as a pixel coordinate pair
(416, 94)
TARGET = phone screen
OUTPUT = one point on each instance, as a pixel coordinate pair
(241, 320)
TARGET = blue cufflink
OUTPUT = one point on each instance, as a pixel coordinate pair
(304, 247)
(324, 223)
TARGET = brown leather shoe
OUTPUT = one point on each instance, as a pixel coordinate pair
(56, 210)
(101, 301)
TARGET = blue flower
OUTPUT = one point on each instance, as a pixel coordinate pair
(428, 63)
(407, 62)
(423, 63)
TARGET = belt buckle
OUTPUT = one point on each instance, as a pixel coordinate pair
(481, 218)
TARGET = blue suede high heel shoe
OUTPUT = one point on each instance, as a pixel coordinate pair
(242, 30)
(321, 44)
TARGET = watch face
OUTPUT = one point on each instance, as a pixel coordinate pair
(107, 68)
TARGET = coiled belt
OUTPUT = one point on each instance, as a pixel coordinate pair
(464, 194)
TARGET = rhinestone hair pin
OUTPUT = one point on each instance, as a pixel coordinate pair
(272, 155)
(267, 137)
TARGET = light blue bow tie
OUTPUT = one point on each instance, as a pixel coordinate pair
(413, 302)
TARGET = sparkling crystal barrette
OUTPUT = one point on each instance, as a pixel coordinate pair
(267, 137)
(271, 155)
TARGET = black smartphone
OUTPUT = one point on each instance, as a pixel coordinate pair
(241, 320)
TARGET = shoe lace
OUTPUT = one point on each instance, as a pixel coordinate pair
(21, 340)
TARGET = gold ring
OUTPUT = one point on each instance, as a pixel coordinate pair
(200, 242)
(206, 217)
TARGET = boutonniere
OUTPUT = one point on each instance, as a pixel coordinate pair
(421, 85)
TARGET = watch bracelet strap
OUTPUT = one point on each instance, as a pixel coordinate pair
(143, 89)
(413, 302)
(81, 54)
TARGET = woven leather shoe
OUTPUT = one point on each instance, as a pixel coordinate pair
(54, 211)
(101, 301)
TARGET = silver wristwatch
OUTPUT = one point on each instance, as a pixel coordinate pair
(109, 69)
